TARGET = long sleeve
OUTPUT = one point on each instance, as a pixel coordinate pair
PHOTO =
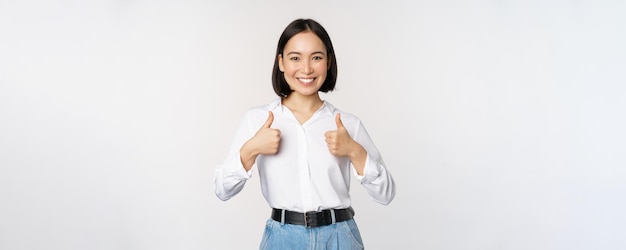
(303, 175)
(230, 176)
(375, 179)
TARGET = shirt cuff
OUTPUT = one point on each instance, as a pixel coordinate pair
(237, 170)
(370, 171)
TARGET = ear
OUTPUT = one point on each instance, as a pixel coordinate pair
(330, 61)
(281, 66)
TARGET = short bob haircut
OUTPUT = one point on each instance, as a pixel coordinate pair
(279, 83)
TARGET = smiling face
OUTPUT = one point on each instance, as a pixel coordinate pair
(304, 63)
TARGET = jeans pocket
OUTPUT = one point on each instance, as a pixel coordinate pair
(353, 233)
(266, 235)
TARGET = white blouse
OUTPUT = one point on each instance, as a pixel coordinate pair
(303, 176)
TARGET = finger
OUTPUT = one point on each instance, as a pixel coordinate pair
(328, 134)
(338, 121)
(330, 141)
(269, 121)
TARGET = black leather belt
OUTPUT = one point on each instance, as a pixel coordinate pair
(313, 219)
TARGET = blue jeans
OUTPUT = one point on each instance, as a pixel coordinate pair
(339, 236)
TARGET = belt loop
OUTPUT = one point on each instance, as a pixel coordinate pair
(282, 216)
(332, 216)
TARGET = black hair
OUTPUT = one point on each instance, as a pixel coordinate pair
(279, 83)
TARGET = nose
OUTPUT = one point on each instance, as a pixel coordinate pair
(308, 69)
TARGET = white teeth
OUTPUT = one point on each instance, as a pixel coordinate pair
(306, 80)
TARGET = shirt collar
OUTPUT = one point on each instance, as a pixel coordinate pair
(326, 108)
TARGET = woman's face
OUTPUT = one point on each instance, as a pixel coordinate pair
(304, 63)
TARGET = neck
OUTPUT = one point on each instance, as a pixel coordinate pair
(301, 103)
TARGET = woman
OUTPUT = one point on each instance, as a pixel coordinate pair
(304, 148)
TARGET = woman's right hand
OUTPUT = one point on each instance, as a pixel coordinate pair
(266, 142)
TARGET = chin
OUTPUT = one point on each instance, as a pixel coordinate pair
(306, 93)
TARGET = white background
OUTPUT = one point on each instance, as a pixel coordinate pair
(501, 121)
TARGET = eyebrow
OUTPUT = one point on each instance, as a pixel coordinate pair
(298, 53)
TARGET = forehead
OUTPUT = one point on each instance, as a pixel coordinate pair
(305, 42)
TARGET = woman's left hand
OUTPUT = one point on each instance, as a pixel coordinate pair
(340, 144)
(339, 141)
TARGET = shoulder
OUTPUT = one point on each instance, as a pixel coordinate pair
(346, 117)
(261, 112)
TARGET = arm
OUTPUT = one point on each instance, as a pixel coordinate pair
(232, 174)
(365, 159)
(374, 177)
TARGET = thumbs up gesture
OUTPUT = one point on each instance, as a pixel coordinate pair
(266, 142)
(339, 141)
(341, 144)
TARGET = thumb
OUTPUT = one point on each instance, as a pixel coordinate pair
(338, 121)
(269, 121)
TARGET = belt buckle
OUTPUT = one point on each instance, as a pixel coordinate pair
(308, 224)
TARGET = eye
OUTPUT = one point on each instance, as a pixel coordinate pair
(317, 58)
(294, 58)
